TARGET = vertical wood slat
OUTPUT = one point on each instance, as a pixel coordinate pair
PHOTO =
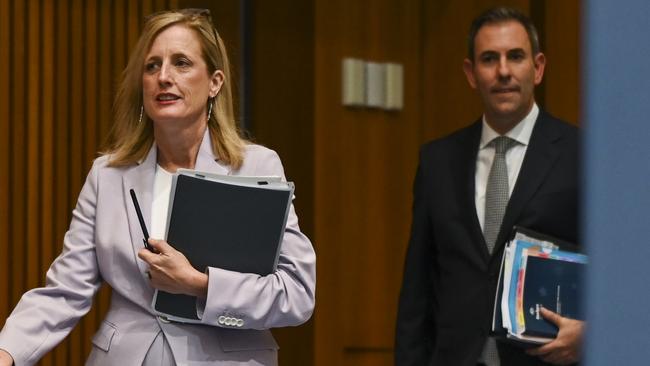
(4, 159)
(17, 173)
(33, 143)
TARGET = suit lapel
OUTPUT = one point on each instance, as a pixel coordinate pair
(206, 161)
(538, 161)
(467, 171)
(140, 179)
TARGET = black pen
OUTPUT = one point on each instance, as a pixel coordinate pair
(141, 219)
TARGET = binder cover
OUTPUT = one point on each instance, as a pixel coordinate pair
(554, 284)
(233, 226)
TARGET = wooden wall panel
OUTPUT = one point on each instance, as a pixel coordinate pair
(364, 165)
(281, 116)
(58, 76)
(4, 156)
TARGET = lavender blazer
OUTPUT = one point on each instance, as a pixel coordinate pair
(102, 245)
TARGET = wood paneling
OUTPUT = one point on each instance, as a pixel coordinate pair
(58, 75)
(364, 165)
(282, 100)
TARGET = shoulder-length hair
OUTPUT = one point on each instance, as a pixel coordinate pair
(131, 136)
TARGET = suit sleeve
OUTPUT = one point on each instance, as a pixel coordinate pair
(415, 330)
(283, 298)
(46, 315)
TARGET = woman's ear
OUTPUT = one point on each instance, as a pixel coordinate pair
(216, 81)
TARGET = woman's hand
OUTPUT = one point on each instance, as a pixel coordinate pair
(5, 358)
(170, 271)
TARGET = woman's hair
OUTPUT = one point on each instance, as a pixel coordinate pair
(130, 139)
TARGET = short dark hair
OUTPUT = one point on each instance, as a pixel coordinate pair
(500, 15)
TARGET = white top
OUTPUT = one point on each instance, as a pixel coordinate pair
(514, 157)
(162, 187)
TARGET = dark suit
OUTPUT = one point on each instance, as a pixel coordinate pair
(445, 306)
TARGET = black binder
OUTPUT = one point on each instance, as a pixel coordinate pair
(235, 225)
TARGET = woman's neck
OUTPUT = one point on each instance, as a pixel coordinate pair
(179, 148)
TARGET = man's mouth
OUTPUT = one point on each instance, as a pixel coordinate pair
(500, 90)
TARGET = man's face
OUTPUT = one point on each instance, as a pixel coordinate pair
(504, 72)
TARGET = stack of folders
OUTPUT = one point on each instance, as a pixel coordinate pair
(535, 273)
(234, 223)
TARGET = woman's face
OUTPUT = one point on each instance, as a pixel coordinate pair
(176, 82)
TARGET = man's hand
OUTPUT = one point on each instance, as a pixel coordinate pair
(5, 358)
(170, 271)
(566, 348)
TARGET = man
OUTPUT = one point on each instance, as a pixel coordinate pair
(470, 191)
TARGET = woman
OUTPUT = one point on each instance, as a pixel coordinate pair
(173, 110)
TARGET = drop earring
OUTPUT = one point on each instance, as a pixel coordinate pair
(141, 113)
(210, 101)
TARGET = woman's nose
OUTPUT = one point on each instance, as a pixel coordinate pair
(164, 76)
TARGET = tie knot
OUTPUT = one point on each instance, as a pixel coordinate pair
(502, 144)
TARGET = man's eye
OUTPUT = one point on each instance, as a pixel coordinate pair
(490, 58)
(517, 57)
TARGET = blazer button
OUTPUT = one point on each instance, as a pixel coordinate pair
(221, 319)
(240, 323)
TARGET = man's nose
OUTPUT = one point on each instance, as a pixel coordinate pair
(503, 68)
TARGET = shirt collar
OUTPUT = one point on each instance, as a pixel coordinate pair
(520, 133)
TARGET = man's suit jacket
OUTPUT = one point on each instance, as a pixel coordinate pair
(449, 284)
(102, 245)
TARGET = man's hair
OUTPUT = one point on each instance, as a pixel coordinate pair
(500, 15)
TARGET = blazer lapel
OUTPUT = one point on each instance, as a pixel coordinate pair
(467, 152)
(206, 161)
(140, 179)
(540, 158)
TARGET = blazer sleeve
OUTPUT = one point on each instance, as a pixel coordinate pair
(283, 298)
(46, 315)
(415, 329)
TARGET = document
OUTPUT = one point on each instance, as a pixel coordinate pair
(229, 222)
(535, 273)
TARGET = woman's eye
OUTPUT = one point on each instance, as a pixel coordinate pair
(182, 63)
(152, 66)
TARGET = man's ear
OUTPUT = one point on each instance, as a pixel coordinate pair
(216, 81)
(468, 68)
(540, 62)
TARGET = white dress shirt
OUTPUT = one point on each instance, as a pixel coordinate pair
(162, 187)
(514, 157)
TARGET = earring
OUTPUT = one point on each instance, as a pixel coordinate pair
(141, 113)
(210, 100)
